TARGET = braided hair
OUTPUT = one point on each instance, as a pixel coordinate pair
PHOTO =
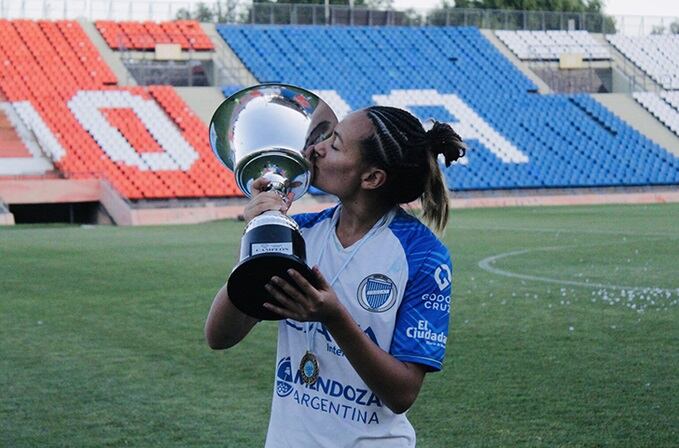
(409, 155)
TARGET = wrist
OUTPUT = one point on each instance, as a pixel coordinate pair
(336, 317)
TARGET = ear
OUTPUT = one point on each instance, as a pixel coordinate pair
(373, 178)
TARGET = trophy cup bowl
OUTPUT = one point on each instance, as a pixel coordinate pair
(262, 131)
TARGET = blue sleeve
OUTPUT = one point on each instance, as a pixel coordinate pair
(421, 330)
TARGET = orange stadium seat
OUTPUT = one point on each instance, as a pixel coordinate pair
(131, 35)
(145, 141)
(175, 34)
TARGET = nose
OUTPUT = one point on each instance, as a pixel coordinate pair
(312, 152)
(320, 148)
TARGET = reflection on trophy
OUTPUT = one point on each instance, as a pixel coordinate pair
(262, 131)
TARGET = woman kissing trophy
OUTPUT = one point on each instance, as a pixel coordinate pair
(262, 131)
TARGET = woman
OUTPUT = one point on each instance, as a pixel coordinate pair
(353, 350)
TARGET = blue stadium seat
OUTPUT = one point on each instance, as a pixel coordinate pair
(567, 140)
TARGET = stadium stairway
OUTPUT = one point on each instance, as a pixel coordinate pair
(6, 217)
(506, 52)
(629, 69)
(637, 117)
(229, 69)
(109, 56)
(20, 153)
(203, 101)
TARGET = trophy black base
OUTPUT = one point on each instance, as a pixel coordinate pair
(246, 283)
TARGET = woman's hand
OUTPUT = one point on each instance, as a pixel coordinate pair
(304, 302)
(263, 200)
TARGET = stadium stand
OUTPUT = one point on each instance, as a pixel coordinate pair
(516, 138)
(663, 106)
(550, 45)
(656, 55)
(145, 141)
(142, 36)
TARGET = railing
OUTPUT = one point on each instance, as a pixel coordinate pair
(305, 14)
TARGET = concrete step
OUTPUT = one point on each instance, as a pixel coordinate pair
(6, 217)
(631, 112)
(506, 52)
(109, 56)
(202, 100)
(11, 144)
(636, 78)
(229, 70)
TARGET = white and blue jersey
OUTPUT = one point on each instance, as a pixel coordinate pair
(396, 284)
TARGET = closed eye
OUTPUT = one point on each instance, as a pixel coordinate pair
(333, 142)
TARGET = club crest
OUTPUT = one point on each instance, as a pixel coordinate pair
(377, 293)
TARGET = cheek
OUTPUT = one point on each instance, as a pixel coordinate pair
(336, 175)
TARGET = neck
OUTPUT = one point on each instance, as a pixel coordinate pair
(357, 218)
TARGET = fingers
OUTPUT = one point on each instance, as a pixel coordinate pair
(298, 301)
(288, 289)
(322, 282)
(264, 202)
(287, 201)
(289, 305)
(306, 287)
(259, 185)
(280, 311)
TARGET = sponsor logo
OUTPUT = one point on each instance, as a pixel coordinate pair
(377, 293)
(443, 276)
(284, 377)
(344, 411)
(327, 395)
(436, 302)
(423, 333)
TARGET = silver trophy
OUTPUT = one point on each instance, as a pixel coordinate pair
(262, 131)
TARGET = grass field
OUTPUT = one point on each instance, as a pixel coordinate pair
(564, 332)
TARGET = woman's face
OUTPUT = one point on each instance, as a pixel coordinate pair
(337, 164)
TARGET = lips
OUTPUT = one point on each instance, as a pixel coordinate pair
(313, 170)
(311, 157)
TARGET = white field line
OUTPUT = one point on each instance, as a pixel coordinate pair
(486, 263)
(556, 231)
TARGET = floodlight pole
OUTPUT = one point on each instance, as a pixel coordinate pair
(327, 11)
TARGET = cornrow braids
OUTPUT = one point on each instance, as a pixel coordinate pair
(409, 155)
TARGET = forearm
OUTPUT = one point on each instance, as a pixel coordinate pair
(395, 382)
(226, 325)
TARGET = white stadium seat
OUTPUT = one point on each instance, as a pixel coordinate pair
(550, 45)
